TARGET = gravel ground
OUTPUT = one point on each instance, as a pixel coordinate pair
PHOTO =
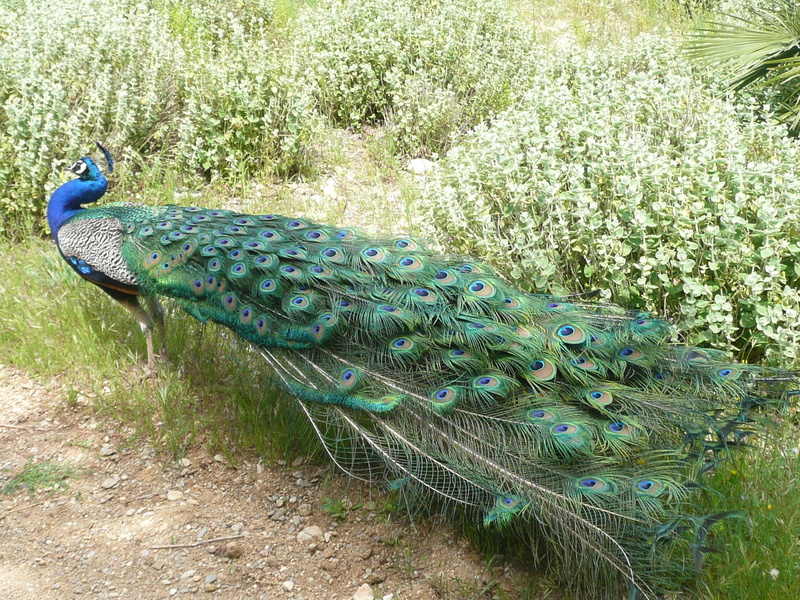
(133, 525)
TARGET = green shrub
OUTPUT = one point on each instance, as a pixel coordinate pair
(427, 68)
(200, 82)
(621, 172)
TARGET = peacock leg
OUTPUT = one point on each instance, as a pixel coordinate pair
(156, 310)
(145, 323)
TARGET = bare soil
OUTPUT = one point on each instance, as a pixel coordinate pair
(132, 524)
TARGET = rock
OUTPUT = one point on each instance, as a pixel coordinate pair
(219, 458)
(209, 587)
(312, 532)
(234, 550)
(211, 578)
(365, 554)
(174, 495)
(279, 515)
(288, 585)
(109, 483)
(304, 510)
(107, 450)
(364, 593)
(420, 166)
(185, 462)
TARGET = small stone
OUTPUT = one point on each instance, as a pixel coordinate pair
(209, 587)
(234, 550)
(237, 528)
(107, 450)
(185, 462)
(219, 458)
(279, 515)
(211, 578)
(304, 510)
(272, 562)
(365, 554)
(109, 483)
(364, 593)
(174, 495)
(312, 532)
(130, 512)
(192, 501)
(288, 585)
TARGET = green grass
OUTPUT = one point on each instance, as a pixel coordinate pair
(37, 476)
(763, 483)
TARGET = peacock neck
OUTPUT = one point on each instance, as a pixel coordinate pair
(66, 201)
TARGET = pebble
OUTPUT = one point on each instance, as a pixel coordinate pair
(185, 462)
(211, 578)
(304, 510)
(364, 593)
(365, 554)
(279, 515)
(234, 550)
(219, 458)
(107, 450)
(110, 483)
(312, 532)
(288, 585)
(173, 495)
(209, 587)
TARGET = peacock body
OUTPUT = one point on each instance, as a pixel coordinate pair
(576, 424)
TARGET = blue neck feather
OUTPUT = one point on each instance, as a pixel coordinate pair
(66, 201)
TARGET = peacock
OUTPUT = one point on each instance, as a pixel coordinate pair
(574, 425)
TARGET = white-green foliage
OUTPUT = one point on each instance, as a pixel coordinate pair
(621, 171)
(182, 78)
(428, 68)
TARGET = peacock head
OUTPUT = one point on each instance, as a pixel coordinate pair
(85, 169)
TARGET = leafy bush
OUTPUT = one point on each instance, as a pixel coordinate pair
(147, 77)
(427, 68)
(621, 172)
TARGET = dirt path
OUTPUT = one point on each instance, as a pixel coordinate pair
(254, 532)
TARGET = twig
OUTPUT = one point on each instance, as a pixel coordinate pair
(11, 426)
(195, 544)
(3, 515)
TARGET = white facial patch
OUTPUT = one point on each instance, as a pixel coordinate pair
(78, 167)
